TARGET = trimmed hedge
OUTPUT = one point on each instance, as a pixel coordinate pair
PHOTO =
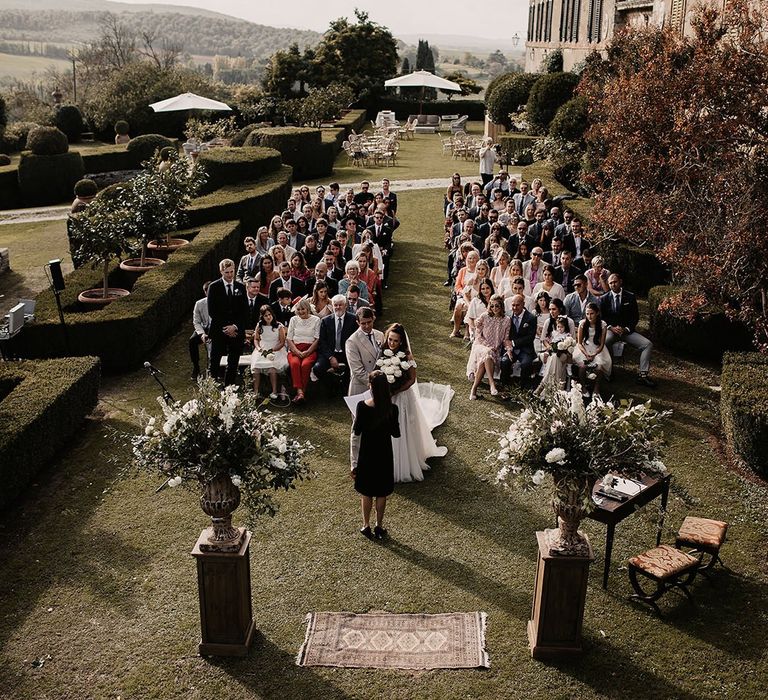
(549, 92)
(47, 141)
(5, 159)
(474, 109)
(48, 179)
(10, 195)
(144, 147)
(300, 148)
(354, 120)
(253, 204)
(707, 337)
(111, 159)
(639, 267)
(230, 166)
(744, 407)
(507, 94)
(517, 146)
(42, 405)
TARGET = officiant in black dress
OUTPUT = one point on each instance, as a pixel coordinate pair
(376, 423)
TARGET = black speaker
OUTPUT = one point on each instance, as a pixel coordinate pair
(56, 277)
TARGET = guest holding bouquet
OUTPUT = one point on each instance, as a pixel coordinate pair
(269, 355)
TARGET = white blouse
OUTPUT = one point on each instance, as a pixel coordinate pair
(304, 330)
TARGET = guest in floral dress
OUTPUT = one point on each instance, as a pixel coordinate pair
(491, 333)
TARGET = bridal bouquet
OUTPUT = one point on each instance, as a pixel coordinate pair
(394, 365)
(564, 345)
(222, 432)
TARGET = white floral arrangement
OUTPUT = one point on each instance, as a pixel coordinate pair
(564, 345)
(578, 444)
(222, 431)
(268, 355)
(394, 365)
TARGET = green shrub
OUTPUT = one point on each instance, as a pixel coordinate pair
(707, 336)
(744, 407)
(300, 148)
(229, 166)
(508, 95)
(14, 138)
(48, 179)
(517, 147)
(553, 63)
(70, 121)
(5, 159)
(86, 188)
(110, 159)
(548, 93)
(42, 406)
(639, 267)
(121, 127)
(143, 147)
(10, 196)
(47, 141)
(240, 136)
(570, 121)
(3, 114)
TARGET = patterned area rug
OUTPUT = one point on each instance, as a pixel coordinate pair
(382, 640)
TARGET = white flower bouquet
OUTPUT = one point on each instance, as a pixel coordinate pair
(222, 431)
(563, 346)
(394, 365)
(268, 355)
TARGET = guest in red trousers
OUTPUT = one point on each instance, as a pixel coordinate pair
(303, 334)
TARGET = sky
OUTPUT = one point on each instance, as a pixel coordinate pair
(403, 17)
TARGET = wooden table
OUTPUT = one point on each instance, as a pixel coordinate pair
(613, 512)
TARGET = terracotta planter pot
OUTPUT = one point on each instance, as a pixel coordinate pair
(134, 265)
(162, 249)
(95, 297)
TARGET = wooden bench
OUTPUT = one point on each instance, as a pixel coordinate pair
(665, 565)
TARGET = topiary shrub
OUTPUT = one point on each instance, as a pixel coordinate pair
(240, 136)
(4, 159)
(639, 267)
(507, 95)
(548, 93)
(70, 121)
(299, 147)
(230, 166)
(48, 179)
(570, 120)
(122, 128)
(744, 407)
(47, 141)
(14, 139)
(86, 188)
(144, 147)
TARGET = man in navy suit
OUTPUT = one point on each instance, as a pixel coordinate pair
(522, 331)
(334, 333)
(228, 309)
(619, 310)
(294, 285)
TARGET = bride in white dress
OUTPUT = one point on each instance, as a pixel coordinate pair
(421, 409)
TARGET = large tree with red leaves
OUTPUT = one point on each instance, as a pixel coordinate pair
(679, 145)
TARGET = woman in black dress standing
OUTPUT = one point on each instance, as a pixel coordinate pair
(376, 423)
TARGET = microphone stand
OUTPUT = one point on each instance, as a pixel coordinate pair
(166, 394)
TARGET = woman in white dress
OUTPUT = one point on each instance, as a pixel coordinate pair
(421, 409)
(549, 285)
(269, 354)
(590, 354)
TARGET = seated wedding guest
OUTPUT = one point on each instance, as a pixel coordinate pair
(368, 275)
(597, 277)
(321, 299)
(567, 271)
(456, 203)
(536, 229)
(479, 305)
(332, 264)
(494, 242)
(264, 278)
(514, 271)
(335, 330)
(575, 240)
(282, 241)
(552, 256)
(269, 355)
(201, 322)
(591, 355)
(454, 188)
(334, 222)
(556, 218)
(390, 198)
(249, 263)
(522, 253)
(294, 239)
(548, 284)
(263, 241)
(299, 268)
(282, 308)
(347, 249)
(464, 278)
(509, 213)
(368, 244)
(530, 215)
(533, 269)
(540, 311)
(500, 269)
(522, 331)
(497, 200)
(277, 253)
(286, 281)
(563, 229)
(576, 302)
(585, 261)
(554, 357)
(293, 208)
(619, 310)
(321, 275)
(228, 312)
(312, 254)
(536, 185)
(352, 276)
(543, 199)
(302, 225)
(520, 237)
(275, 226)
(323, 235)
(556, 309)
(254, 307)
(517, 288)
(491, 335)
(332, 196)
(303, 337)
(306, 196)
(547, 235)
(364, 196)
(354, 302)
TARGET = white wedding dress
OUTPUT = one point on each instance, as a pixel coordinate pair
(422, 408)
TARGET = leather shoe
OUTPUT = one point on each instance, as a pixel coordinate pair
(379, 532)
(366, 532)
(447, 283)
(645, 380)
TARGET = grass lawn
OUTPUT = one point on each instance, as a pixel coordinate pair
(97, 572)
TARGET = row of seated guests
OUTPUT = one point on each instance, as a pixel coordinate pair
(519, 308)
(289, 282)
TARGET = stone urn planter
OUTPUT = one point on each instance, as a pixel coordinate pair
(219, 499)
(139, 266)
(94, 298)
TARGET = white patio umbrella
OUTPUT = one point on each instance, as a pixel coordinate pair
(189, 101)
(423, 79)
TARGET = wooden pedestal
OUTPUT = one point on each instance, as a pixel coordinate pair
(224, 589)
(558, 603)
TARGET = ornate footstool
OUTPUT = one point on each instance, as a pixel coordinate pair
(704, 537)
(665, 565)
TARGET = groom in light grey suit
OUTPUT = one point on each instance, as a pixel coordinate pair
(362, 351)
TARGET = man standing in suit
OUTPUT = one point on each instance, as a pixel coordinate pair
(201, 322)
(389, 196)
(619, 310)
(293, 284)
(523, 199)
(381, 233)
(522, 331)
(575, 241)
(228, 310)
(362, 350)
(251, 292)
(249, 263)
(335, 330)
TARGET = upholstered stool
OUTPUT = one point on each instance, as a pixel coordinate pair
(668, 567)
(704, 537)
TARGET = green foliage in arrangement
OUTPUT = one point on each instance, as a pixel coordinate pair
(42, 405)
(744, 407)
(47, 141)
(548, 93)
(48, 179)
